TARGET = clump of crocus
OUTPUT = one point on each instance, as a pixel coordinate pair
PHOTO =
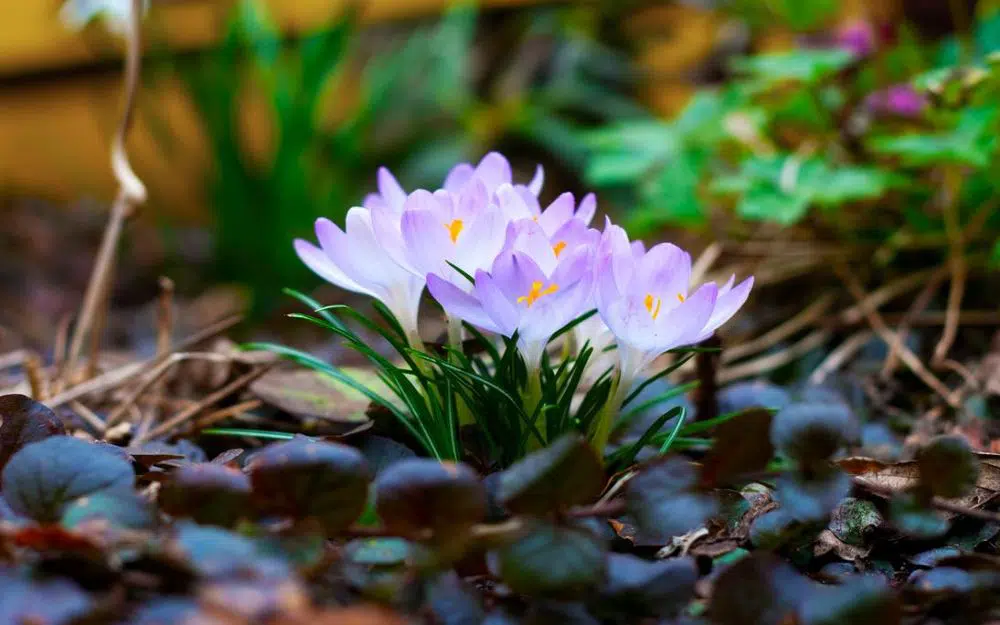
(494, 259)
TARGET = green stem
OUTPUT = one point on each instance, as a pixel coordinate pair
(604, 423)
(532, 397)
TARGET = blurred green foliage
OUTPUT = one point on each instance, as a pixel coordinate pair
(428, 95)
(801, 135)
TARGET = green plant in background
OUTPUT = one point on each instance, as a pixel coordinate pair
(856, 143)
(424, 100)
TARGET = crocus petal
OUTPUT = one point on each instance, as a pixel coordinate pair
(472, 201)
(666, 266)
(458, 177)
(321, 265)
(587, 208)
(480, 241)
(500, 309)
(494, 170)
(543, 318)
(375, 202)
(530, 199)
(512, 204)
(387, 233)
(535, 186)
(458, 303)
(726, 306)
(427, 241)
(527, 237)
(682, 325)
(390, 189)
(614, 243)
(557, 213)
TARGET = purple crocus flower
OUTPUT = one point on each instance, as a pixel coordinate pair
(520, 295)
(897, 100)
(493, 171)
(354, 260)
(648, 304)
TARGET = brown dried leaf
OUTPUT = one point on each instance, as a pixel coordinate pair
(827, 541)
(901, 476)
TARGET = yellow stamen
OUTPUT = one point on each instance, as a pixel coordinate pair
(558, 248)
(653, 305)
(454, 229)
(681, 297)
(536, 292)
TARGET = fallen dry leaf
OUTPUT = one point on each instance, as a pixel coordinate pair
(901, 476)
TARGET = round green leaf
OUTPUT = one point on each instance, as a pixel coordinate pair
(863, 600)
(662, 503)
(306, 479)
(124, 509)
(419, 493)
(208, 493)
(42, 479)
(644, 588)
(812, 433)
(24, 600)
(948, 467)
(566, 473)
(553, 561)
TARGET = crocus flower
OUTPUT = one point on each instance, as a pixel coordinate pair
(857, 37)
(354, 260)
(390, 197)
(493, 171)
(648, 304)
(530, 296)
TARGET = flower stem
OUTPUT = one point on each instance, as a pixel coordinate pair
(532, 397)
(600, 430)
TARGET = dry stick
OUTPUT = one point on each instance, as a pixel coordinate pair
(936, 318)
(32, 365)
(59, 352)
(937, 502)
(164, 331)
(920, 304)
(131, 193)
(100, 322)
(219, 415)
(843, 352)
(172, 423)
(883, 294)
(12, 359)
(705, 261)
(772, 337)
(157, 374)
(890, 338)
(88, 415)
(119, 376)
(959, 271)
(770, 362)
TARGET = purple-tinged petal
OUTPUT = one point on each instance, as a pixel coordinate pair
(321, 265)
(494, 170)
(556, 214)
(529, 238)
(573, 234)
(458, 177)
(375, 202)
(664, 271)
(337, 245)
(480, 242)
(588, 207)
(390, 190)
(608, 295)
(427, 241)
(512, 204)
(679, 326)
(550, 312)
(638, 249)
(530, 199)
(614, 243)
(422, 200)
(535, 186)
(387, 233)
(367, 259)
(458, 303)
(726, 305)
(472, 201)
(501, 310)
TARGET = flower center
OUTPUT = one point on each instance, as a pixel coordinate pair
(653, 305)
(454, 229)
(681, 297)
(537, 291)
(558, 248)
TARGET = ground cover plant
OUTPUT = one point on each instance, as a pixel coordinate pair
(538, 426)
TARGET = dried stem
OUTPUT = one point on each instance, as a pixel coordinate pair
(172, 423)
(35, 373)
(770, 362)
(836, 358)
(89, 416)
(937, 502)
(956, 265)
(804, 319)
(919, 305)
(131, 193)
(890, 338)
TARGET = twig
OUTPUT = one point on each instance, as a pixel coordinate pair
(119, 376)
(919, 305)
(890, 291)
(937, 502)
(705, 261)
(770, 362)
(157, 374)
(843, 352)
(956, 289)
(164, 334)
(936, 318)
(89, 416)
(131, 193)
(59, 352)
(219, 415)
(804, 319)
(172, 423)
(36, 375)
(12, 359)
(890, 338)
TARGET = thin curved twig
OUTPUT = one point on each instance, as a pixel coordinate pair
(131, 193)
